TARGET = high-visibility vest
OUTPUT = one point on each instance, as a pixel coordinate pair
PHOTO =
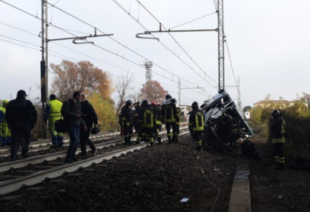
(55, 106)
(279, 138)
(169, 114)
(197, 123)
(148, 118)
(4, 123)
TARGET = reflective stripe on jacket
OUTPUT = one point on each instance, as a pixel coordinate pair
(278, 130)
(196, 120)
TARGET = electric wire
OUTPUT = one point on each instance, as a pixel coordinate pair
(174, 40)
(119, 5)
(124, 46)
(17, 8)
(196, 19)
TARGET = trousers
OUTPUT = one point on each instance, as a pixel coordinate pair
(174, 130)
(74, 134)
(84, 139)
(21, 135)
(278, 153)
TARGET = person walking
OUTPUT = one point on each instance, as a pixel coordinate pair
(196, 123)
(72, 113)
(53, 114)
(21, 117)
(135, 116)
(278, 138)
(90, 118)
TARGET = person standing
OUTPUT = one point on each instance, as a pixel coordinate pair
(147, 123)
(21, 117)
(278, 138)
(53, 114)
(177, 122)
(157, 116)
(169, 114)
(196, 123)
(4, 127)
(72, 113)
(126, 121)
(135, 117)
(90, 118)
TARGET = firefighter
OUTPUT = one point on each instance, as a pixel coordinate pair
(126, 121)
(53, 114)
(278, 139)
(135, 116)
(147, 123)
(196, 123)
(4, 128)
(169, 114)
(157, 128)
(177, 123)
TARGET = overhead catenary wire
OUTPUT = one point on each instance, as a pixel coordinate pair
(119, 43)
(172, 52)
(174, 40)
(104, 48)
(196, 19)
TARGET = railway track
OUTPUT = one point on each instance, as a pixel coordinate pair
(46, 144)
(34, 170)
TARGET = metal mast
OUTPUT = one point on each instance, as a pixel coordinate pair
(43, 65)
(148, 68)
(221, 47)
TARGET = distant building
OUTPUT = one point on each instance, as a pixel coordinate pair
(307, 98)
(268, 103)
(247, 115)
(184, 111)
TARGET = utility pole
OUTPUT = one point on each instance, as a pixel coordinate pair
(46, 47)
(43, 67)
(239, 96)
(221, 47)
(179, 91)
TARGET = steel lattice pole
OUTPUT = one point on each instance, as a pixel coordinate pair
(221, 48)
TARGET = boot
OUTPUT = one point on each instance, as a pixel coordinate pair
(60, 140)
(129, 140)
(54, 141)
(169, 140)
(159, 140)
(126, 141)
(198, 148)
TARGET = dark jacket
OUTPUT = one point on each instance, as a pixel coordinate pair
(169, 112)
(70, 109)
(147, 117)
(21, 111)
(89, 114)
(126, 116)
(196, 120)
(278, 130)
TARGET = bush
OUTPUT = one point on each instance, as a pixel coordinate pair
(105, 111)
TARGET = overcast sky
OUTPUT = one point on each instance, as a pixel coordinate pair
(268, 41)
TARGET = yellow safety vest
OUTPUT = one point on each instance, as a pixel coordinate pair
(55, 106)
(4, 123)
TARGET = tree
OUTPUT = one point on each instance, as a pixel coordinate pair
(105, 111)
(123, 87)
(247, 108)
(82, 76)
(152, 90)
(134, 95)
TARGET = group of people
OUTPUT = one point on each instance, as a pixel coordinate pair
(148, 118)
(19, 117)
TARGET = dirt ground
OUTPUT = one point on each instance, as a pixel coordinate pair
(277, 190)
(154, 179)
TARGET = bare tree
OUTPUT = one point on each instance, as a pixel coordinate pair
(134, 95)
(123, 87)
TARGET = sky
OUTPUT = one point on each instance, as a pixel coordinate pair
(268, 42)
